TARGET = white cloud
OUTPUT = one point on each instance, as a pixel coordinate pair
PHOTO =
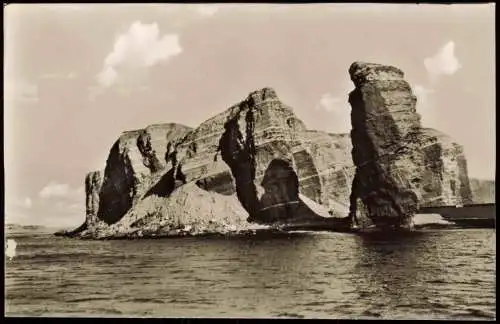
(54, 190)
(330, 103)
(13, 203)
(60, 190)
(58, 205)
(340, 111)
(337, 105)
(27, 202)
(107, 76)
(444, 62)
(139, 47)
(207, 10)
(61, 205)
(65, 212)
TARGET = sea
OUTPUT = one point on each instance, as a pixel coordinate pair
(426, 274)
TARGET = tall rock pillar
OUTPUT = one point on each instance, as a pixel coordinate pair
(93, 183)
(385, 136)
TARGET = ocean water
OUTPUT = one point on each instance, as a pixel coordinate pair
(427, 274)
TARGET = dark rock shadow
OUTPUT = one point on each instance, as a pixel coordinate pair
(150, 160)
(388, 203)
(118, 186)
(239, 155)
(220, 183)
(164, 187)
(281, 204)
(280, 200)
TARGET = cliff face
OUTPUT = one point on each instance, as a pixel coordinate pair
(93, 184)
(445, 179)
(135, 162)
(266, 147)
(256, 164)
(330, 156)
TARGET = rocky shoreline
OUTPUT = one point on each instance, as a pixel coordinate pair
(271, 230)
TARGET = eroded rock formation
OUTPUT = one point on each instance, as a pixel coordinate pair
(386, 133)
(256, 164)
(93, 183)
(134, 164)
(255, 161)
(400, 166)
(445, 178)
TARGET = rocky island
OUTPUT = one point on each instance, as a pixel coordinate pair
(257, 166)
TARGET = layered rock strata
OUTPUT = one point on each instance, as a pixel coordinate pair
(93, 183)
(255, 162)
(445, 180)
(386, 134)
(400, 166)
(135, 164)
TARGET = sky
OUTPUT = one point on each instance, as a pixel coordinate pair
(78, 75)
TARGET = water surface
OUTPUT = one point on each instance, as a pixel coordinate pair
(429, 274)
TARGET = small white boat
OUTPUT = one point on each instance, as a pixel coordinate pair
(10, 249)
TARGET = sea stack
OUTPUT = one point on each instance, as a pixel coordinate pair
(93, 183)
(386, 132)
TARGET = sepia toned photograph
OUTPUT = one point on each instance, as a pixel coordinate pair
(250, 160)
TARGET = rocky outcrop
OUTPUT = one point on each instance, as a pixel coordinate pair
(385, 134)
(188, 210)
(256, 165)
(134, 164)
(326, 161)
(93, 183)
(400, 166)
(483, 191)
(255, 161)
(445, 180)
(262, 144)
